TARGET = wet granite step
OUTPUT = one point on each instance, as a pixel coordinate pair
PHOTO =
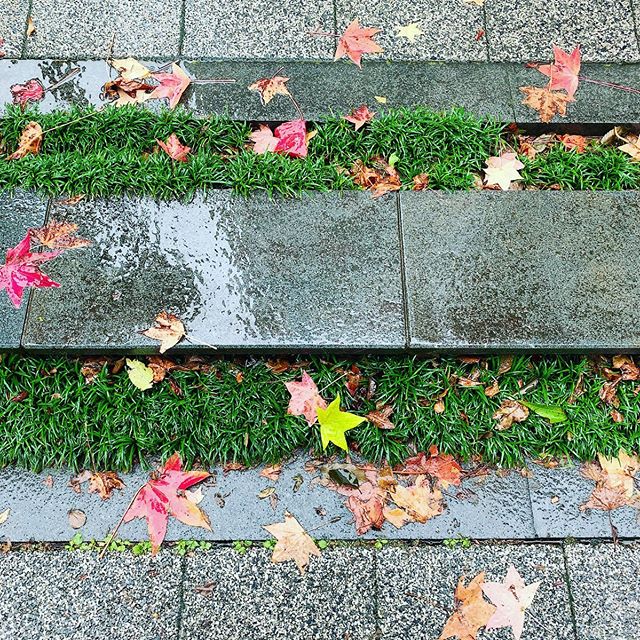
(322, 87)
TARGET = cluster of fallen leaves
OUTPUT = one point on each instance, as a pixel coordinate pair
(509, 602)
(22, 265)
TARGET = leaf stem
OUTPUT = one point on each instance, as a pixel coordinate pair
(112, 535)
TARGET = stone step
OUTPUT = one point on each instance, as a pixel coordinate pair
(431, 271)
(323, 87)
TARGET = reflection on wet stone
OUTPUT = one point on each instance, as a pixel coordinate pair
(240, 273)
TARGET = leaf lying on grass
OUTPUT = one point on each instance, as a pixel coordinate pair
(174, 148)
(305, 398)
(335, 423)
(360, 116)
(30, 142)
(553, 413)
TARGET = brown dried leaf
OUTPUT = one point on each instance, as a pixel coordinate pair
(380, 417)
(272, 472)
(510, 411)
(492, 390)
(546, 102)
(104, 482)
(30, 142)
(628, 368)
(168, 330)
(59, 235)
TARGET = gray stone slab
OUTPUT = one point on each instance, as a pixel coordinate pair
(449, 28)
(254, 598)
(594, 103)
(68, 29)
(319, 87)
(254, 273)
(541, 271)
(18, 212)
(257, 29)
(13, 24)
(605, 582)
(416, 588)
(526, 31)
(76, 596)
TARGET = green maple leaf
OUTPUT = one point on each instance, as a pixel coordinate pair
(334, 423)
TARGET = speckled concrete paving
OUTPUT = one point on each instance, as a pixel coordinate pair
(354, 592)
(499, 30)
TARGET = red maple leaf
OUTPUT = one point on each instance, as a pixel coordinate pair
(22, 270)
(439, 465)
(172, 85)
(292, 138)
(31, 91)
(563, 73)
(356, 41)
(360, 116)
(174, 148)
(164, 496)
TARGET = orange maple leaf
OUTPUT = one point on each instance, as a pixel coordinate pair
(356, 41)
(546, 102)
(472, 611)
(174, 148)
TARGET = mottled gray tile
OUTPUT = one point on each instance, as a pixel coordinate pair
(257, 29)
(522, 270)
(70, 29)
(450, 28)
(525, 30)
(253, 598)
(319, 271)
(416, 588)
(13, 23)
(18, 213)
(61, 595)
(605, 582)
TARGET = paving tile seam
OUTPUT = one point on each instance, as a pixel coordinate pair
(23, 49)
(181, 602)
(567, 577)
(403, 274)
(181, 35)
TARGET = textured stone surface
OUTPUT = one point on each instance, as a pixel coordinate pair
(254, 598)
(416, 588)
(18, 213)
(257, 29)
(68, 29)
(449, 28)
(522, 270)
(526, 31)
(605, 582)
(247, 274)
(76, 596)
(13, 23)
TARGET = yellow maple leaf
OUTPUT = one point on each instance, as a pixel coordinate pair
(334, 423)
(140, 375)
(410, 31)
(293, 542)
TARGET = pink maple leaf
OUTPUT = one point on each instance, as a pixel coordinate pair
(172, 85)
(293, 138)
(31, 91)
(22, 270)
(264, 140)
(305, 398)
(356, 41)
(360, 116)
(563, 73)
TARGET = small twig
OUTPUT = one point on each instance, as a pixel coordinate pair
(346, 373)
(612, 85)
(193, 340)
(215, 81)
(65, 78)
(66, 124)
(296, 106)
(112, 535)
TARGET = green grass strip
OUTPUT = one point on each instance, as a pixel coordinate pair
(114, 152)
(110, 424)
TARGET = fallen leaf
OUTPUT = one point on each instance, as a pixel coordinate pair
(546, 102)
(492, 390)
(59, 235)
(22, 270)
(334, 423)
(4, 516)
(129, 68)
(510, 411)
(127, 92)
(104, 482)
(356, 41)
(353, 379)
(174, 148)
(628, 368)
(420, 501)
(160, 367)
(77, 518)
(305, 398)
(472, 611)
(263, 140)
(512, 598)
(380, 99)
(441, 466)
(172, 85)
(574, 142)
(292, 139)
(140, 375)
(553, 413)
(503, 170)
(420, 181)
(506, 362)
(205, 589)
(292, 542)
(631, 148)
(268, 88)
(168, 330)
(272, 472)
(31, 27)
(360, 116)
(30, 142)
(68, 202)
(3, 53)
(381, 178)
(609, 392)
(163, 496)
(380, 417)
(564, 72)
(31, 91)
(410, 31)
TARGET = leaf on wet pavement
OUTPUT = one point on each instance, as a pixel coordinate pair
(168, 330)
(272, 472)
(503, 170)
(4, 515)
(129, 68)
(360, 116)
(357, 41)
(441, 466)
(335, 423)
(31, 27)
(140, 375)
(292, 542)
(305, 398)
(59, 235)
(174, 148)
(418, 500)
(510, 411)
(126, 92)
(546, 102)
(77, 518)
(409, 31)
(171, 85)
(29, 143)
(22, 270)
(563, 73)
(31, 91)
(512, 598)
(164, 496)
(472, 611)
(268, 88)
